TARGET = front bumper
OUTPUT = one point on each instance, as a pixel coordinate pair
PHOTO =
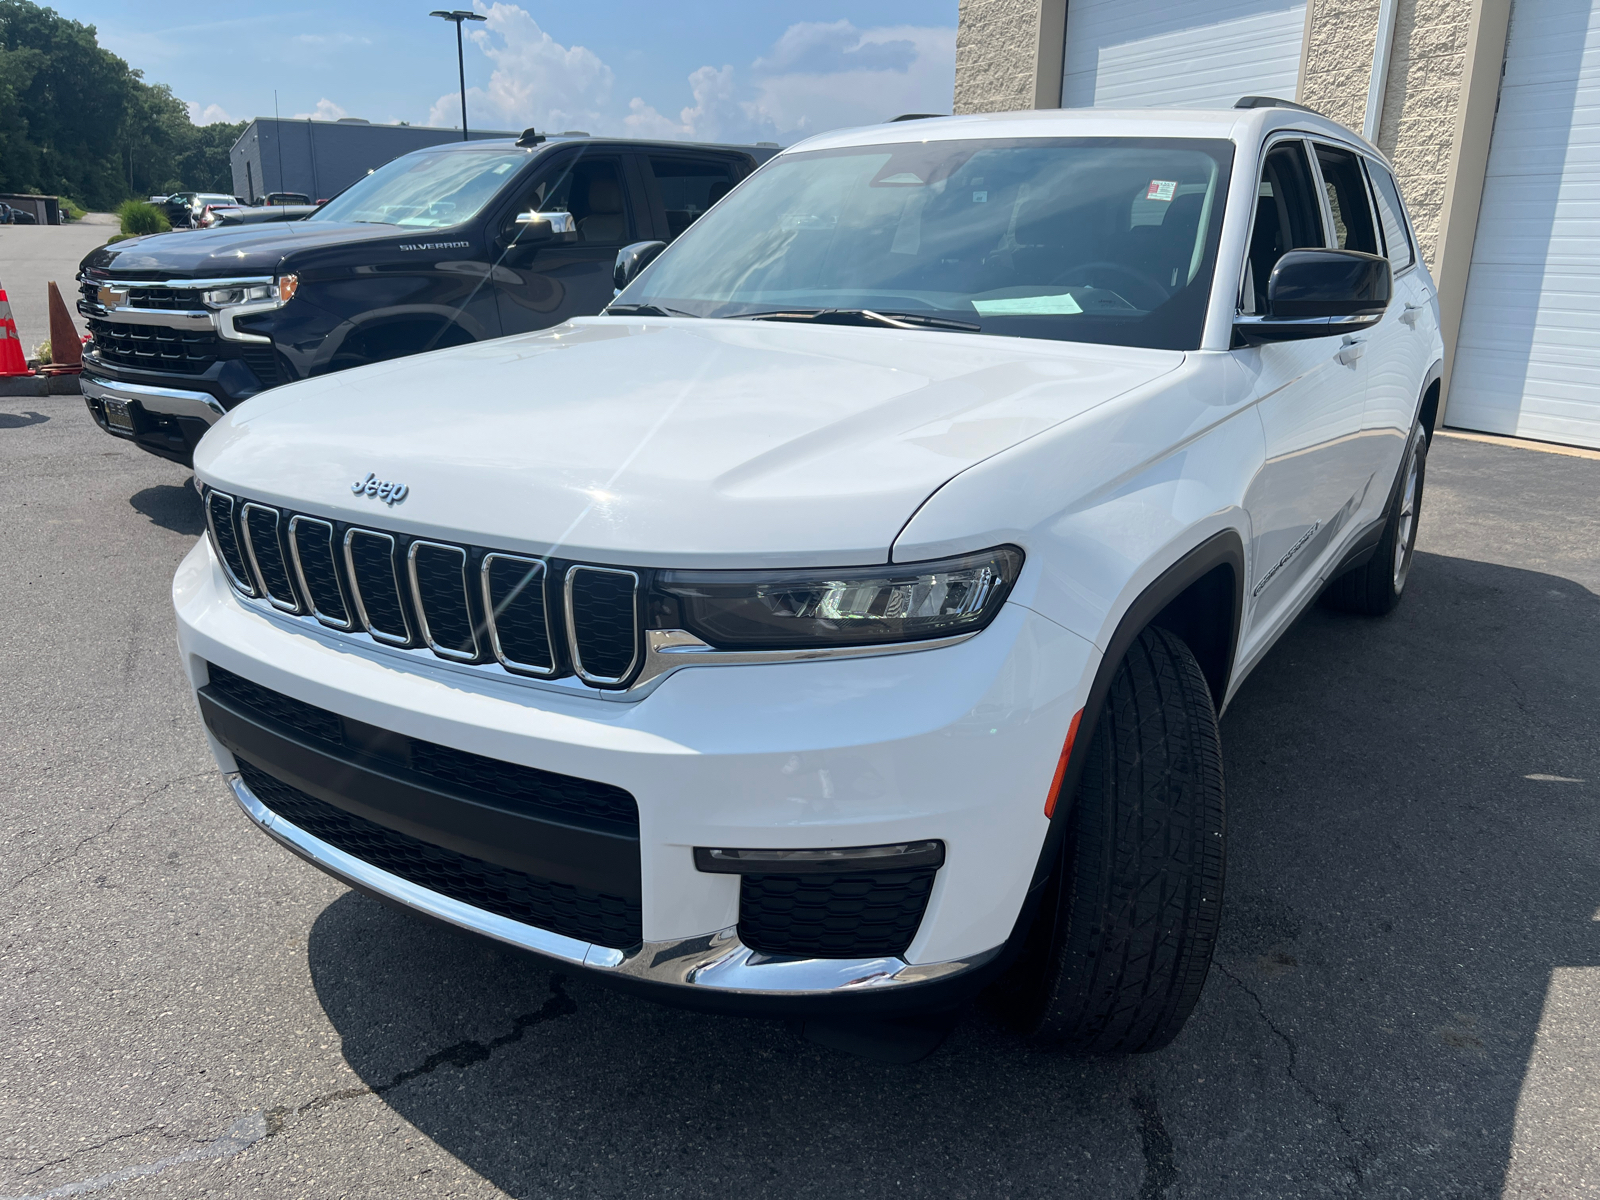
(957, 744)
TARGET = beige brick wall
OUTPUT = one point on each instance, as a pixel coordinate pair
(1424, 86)
(996, 49)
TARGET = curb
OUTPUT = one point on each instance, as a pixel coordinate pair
(40, 385)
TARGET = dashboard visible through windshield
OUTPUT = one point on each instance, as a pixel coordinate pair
(1108, 240)
(425, 191)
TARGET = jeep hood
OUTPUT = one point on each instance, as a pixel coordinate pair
(664, 442)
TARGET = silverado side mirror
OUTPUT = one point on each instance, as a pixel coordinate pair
(633, 259)
(1320, 293)
(529, 227)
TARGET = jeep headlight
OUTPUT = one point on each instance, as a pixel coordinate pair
(781, 610)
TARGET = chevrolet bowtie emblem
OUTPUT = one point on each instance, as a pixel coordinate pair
(389, 493)
(110, 297)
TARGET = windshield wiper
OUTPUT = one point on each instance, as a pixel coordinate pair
(862, 316)
(643, 310)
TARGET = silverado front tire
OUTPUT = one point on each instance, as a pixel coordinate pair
(1134, 911)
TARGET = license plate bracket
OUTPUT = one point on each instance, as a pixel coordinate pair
(120, 415)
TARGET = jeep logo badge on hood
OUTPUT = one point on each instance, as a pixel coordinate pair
(389, 493)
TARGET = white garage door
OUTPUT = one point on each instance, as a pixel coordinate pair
(1180, 53)
(1528, 356)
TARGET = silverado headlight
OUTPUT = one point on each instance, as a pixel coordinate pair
(780, 610)
(223, 297)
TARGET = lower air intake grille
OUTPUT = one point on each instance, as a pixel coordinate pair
(865, 914)
(561, 908)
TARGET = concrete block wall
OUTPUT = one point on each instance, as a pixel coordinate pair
(1417, 128)
(1008, 55)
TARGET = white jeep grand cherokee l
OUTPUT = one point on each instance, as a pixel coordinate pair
(839, 623)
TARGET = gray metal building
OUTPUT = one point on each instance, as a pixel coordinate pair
(320, 158)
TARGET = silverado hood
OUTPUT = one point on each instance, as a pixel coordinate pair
(239, 250)
(664, 442)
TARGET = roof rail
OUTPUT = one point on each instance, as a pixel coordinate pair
(1272, 102)
(915, 117)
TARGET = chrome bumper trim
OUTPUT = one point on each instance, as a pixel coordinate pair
(715, 962)
(167, 401)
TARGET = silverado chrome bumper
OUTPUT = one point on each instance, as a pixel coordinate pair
(171, 402)
(716, 962)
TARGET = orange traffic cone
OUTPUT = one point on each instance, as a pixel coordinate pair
(12, 360)
(66, 348)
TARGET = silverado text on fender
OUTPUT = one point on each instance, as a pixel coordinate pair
(840, 622)
(440, 247)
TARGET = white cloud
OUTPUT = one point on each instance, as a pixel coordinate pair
(817, 76)
(536, 80)
(326, 110)
(209, 115)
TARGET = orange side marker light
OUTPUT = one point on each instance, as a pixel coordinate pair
(1061, 767)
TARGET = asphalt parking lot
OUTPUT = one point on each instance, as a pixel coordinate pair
(31, 256)
(1406, 1001)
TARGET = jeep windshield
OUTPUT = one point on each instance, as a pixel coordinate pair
(425, 191)
(1109, 240)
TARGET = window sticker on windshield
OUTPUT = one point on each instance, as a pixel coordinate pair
(980, 197)
(1019, 306)
(1161, 189)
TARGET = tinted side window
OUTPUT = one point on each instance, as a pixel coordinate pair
(591, 190)
(1347, 199)
(1396, 237)
(689, 186)
(1288, 217)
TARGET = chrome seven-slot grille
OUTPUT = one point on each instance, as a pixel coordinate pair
(538, 617)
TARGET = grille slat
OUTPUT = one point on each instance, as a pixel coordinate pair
(860, 914)
(312, 546)
(602, 615)
(375, 584)
(154, 347)
(225, 540)
(517, 616)
(260, 528)
(589, 916)
(444, 608)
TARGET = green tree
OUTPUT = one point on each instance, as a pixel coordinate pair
(76, 120)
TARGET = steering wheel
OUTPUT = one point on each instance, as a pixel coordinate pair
(1141, 281)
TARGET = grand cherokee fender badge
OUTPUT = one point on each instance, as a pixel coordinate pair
(389, 493)
(1284, 561)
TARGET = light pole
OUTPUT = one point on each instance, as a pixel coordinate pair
(459, 15)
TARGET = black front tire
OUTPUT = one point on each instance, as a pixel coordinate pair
(1124, 939)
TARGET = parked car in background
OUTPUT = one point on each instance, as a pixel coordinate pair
(176, 208)
(158, 201)
(263, 214)
(839, 623)
(272, 198)
(203, 200)
(212, 214)
(16, 216)
(442, 246)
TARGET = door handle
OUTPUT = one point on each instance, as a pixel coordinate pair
(1351, 349)
(1411, 314)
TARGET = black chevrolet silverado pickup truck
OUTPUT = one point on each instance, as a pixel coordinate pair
(442, 246)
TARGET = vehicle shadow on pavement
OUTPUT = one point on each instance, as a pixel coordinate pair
(171, 506)
(1402, 886)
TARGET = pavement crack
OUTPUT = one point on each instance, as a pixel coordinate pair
(1332, 1107)
(461, 1055)
(54, 862)
(240, 1136)
(1160, 1162)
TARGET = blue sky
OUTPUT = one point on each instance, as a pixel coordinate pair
(702, 69)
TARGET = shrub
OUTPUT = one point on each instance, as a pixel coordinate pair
(141, 217)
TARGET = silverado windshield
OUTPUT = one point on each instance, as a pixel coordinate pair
(1081, 239)
(425, 191)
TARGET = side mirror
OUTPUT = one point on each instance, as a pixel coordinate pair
(529, 227)
(1320, 293)
(633, 259)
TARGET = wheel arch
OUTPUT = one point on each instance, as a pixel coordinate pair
(1432, 393)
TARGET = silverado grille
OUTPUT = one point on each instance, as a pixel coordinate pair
(466, 604)
(154, 347)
